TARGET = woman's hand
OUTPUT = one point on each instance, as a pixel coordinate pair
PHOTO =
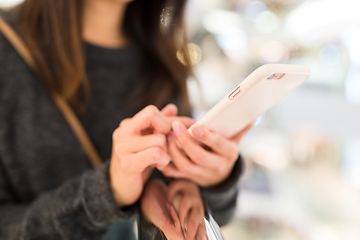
(177, 210)
(139, 145)
(186, 199)
(171, 111)
(207, 166)
(156, 209)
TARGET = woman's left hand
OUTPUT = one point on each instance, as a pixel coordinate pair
(156, 209)
(186, 199)
(177, 210)
(207, 166)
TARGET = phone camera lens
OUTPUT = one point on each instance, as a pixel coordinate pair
(272, 76)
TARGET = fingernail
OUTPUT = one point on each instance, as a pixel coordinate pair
(198, 131)
(170, 137)
(176, 127)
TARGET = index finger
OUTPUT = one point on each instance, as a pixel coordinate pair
(187, 121)
(150, 117)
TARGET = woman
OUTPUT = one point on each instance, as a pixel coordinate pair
(109, 59)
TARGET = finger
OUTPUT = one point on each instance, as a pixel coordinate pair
(174, 216)
(169, 230)
(171, 171)
(196, 153)
(153, 156)
(195, 220)
(188, 122)
(181, 161)
(174, 231)
(239, 135)
(174, 193)
(124, 122)
(140, 143)
(149, 117)
(169, 110)
(177, 222)
(201, 232)
(216, 142)
(180, 187)
(184, 210)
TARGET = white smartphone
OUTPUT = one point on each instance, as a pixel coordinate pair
(252, 97)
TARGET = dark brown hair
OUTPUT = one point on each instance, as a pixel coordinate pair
(52, 29)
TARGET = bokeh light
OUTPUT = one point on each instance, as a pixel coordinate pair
(195, 54)
(266, 22)
(273, 52)
(222, 22)
(253, 9)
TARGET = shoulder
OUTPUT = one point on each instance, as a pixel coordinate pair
(9, 16)
(12, 66)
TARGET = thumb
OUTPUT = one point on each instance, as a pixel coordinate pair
(169, 110)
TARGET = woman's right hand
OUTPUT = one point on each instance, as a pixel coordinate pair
(139, 145)
(187, 201)
(177, 210)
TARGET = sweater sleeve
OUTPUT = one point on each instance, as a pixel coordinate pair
(221, 199)
(81, 208)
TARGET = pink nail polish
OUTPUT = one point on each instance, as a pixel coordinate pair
(198, 131)
(176, 127)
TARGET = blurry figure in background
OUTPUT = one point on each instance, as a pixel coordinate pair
(124, 54)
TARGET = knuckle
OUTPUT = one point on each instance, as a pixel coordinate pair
(183, 167)
(220, 169)
(202, 159)
(160, 140)
(151, 110)
(124, 122)
(115, 134)
(155, 153)
(233, 153)
(234, 156)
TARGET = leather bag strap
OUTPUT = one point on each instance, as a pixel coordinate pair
(59, 101)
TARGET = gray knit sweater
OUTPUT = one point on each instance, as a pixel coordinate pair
(48, 190)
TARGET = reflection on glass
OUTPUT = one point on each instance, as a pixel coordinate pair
(213, 230)
(177, 210)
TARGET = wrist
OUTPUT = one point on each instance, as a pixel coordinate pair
(219, 181)
(231, 180)
(113, 186)
(118, 199)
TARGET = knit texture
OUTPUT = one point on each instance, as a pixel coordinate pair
(48, 189)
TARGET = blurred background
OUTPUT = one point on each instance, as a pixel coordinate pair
(302, 178)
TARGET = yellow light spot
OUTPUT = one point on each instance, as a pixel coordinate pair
(195, 54)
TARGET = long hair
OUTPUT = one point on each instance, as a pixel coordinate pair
(52, 29)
